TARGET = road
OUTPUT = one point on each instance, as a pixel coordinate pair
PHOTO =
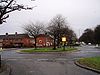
(49, 63)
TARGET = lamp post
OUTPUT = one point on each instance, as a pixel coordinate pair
(64, 41)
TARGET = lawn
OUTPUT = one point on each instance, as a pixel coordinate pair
(93, 62)
(47, 50)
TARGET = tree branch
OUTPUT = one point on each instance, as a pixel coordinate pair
(5, 17)
(10, 7)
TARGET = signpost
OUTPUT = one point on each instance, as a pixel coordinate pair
(0, 56)
(1, 50)
(64, 41)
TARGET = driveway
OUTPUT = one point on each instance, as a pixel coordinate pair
(49, 63)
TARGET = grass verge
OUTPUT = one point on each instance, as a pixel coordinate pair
(93, 62)
(47, 50)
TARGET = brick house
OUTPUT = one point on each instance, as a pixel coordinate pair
(23, 40)
(44, 40)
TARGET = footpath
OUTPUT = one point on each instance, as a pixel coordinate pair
(5, 69)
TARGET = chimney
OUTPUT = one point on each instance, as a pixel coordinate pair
(6, 34)
(15, 33)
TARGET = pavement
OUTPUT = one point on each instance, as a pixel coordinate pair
(50, 63)
(86, 67)
(6, 70)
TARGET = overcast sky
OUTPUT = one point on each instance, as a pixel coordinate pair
(80, 14)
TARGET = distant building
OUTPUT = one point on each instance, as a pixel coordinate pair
(15, 40)
(23, 40)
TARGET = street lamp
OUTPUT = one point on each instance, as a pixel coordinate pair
(64, 41)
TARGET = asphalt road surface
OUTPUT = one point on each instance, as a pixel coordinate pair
(49, 63)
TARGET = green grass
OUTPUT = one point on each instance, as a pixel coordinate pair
(93, 62)
(47, 50)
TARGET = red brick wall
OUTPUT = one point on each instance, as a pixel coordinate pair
(26, 42)
(44, 41)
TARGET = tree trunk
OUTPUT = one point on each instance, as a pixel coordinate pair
(54, 43)
(35, 42)
(58, 42)
(0, 21)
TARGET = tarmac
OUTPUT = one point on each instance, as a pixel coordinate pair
(6, 70)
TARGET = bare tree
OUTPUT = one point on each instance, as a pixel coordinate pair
(55, 26)
(52, 32)
(58, 27)
(34, 29)
(7, 6)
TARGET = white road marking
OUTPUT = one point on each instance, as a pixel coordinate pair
(18, 59)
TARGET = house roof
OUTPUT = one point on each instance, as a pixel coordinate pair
(11, 36)
(43, 35)
(16, 36)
